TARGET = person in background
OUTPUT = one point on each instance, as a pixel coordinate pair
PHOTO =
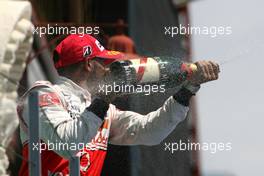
(121, 42)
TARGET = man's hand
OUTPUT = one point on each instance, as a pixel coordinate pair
(206, 71)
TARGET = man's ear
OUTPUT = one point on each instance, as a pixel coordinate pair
(88, 66)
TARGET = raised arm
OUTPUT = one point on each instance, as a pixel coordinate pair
(130, 128)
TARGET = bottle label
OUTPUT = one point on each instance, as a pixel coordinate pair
(147, 70)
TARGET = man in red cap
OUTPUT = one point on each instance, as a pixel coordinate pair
(72, 122)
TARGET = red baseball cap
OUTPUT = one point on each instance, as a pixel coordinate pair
(78, 48)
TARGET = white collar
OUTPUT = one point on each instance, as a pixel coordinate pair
(69, 83)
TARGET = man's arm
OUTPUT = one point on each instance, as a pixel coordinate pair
(130, 128)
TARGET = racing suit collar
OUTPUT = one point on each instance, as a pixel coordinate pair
(70, 84)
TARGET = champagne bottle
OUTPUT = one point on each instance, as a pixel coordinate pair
(168, 71)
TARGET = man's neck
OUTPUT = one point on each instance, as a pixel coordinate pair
(81, 83)
(77, 80)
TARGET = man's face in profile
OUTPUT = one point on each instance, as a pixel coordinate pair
(99, 74)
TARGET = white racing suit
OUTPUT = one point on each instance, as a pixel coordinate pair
(65, 120)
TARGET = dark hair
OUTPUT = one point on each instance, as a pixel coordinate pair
(68, 70)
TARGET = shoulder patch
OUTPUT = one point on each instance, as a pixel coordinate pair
(48, 99)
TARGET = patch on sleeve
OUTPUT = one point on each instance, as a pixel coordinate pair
(48, 99)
